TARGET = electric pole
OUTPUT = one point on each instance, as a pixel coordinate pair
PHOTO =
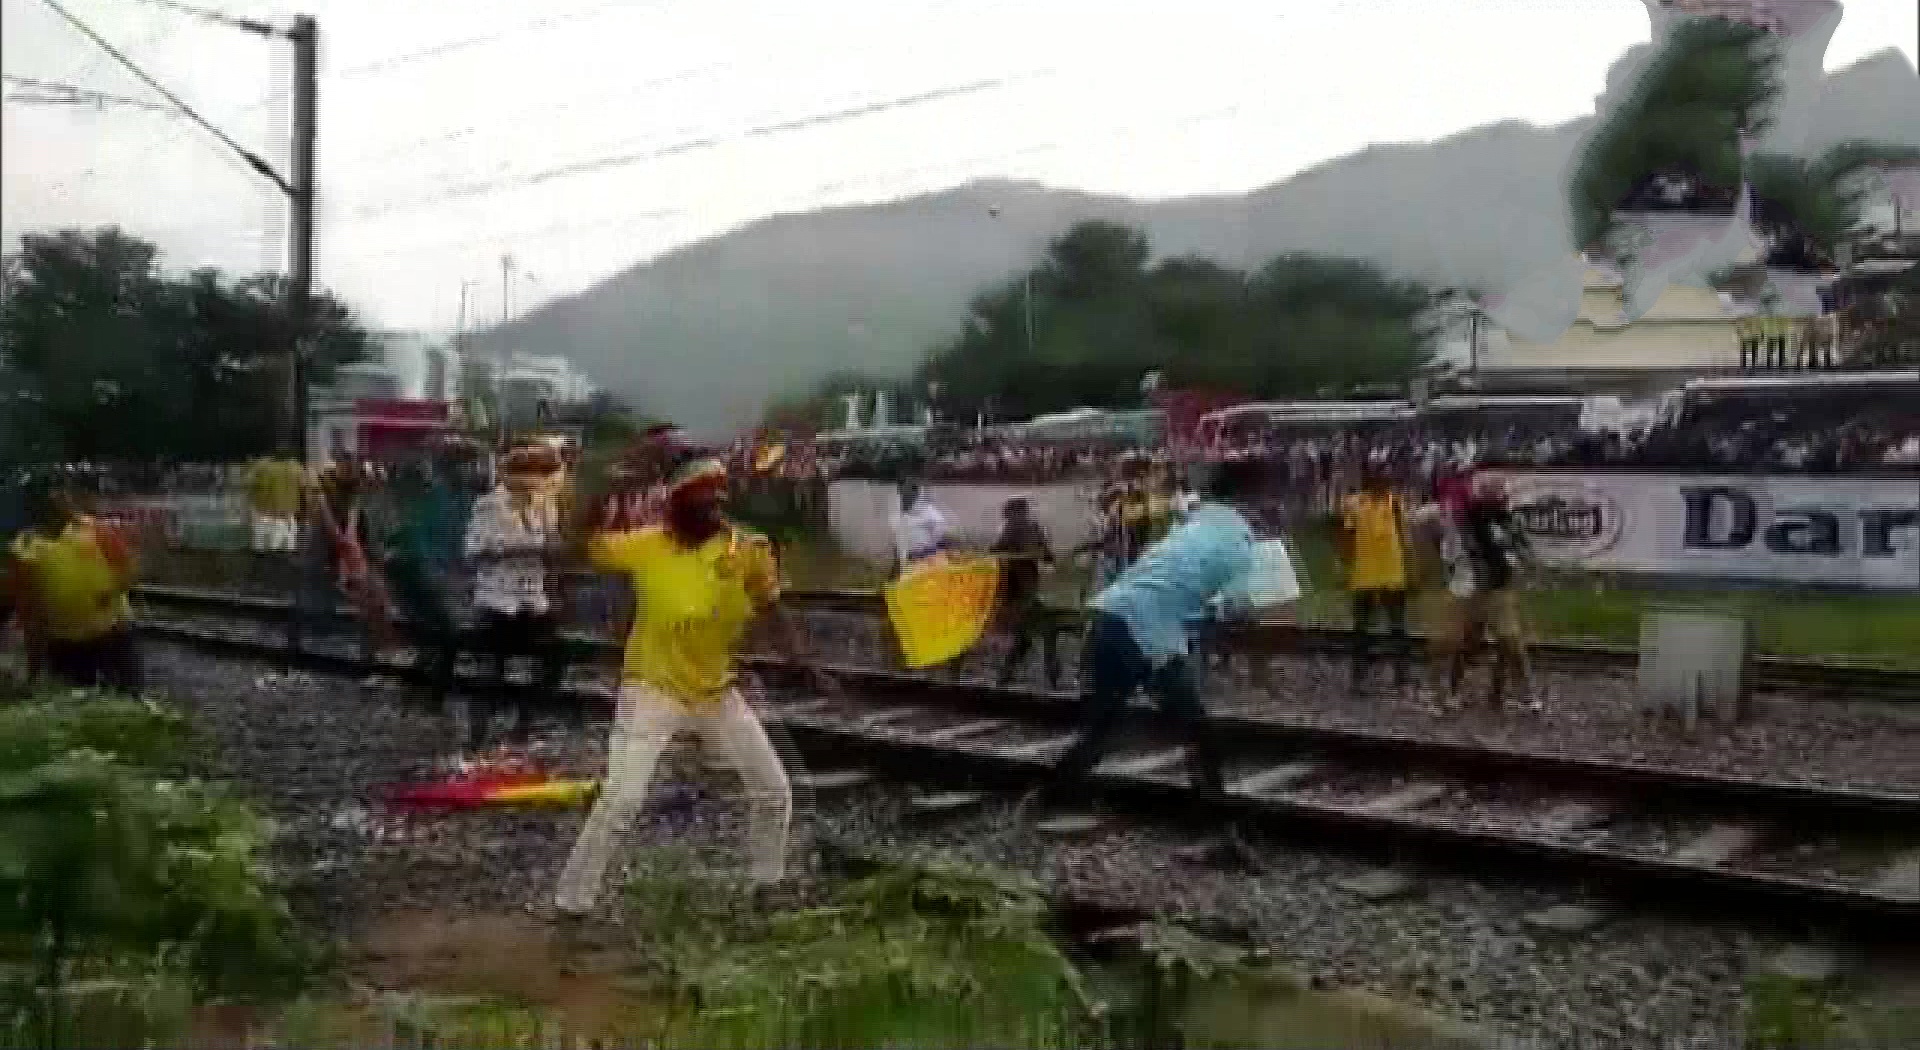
(306, 84)
(305, 36)
(500, 372)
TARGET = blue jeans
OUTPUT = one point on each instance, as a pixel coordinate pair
(1115, 669)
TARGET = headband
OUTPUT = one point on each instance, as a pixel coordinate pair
(698, 473)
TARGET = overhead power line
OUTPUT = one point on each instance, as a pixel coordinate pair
(53, 92)
(252, 159)
(662, 152)
(451, 46)
(209, 15)
(435, 51)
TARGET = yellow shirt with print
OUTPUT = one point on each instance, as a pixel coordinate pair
(79, 592)
(1379, 551)
(691, 605)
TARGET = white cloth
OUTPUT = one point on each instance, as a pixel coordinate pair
(516, 583)
(1270, 580)
(644, 723)
(919, 531)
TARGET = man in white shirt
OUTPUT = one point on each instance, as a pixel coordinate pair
(920, 529)
(511, 542)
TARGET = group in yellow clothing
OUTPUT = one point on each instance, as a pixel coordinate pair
(699, 581)
(67, 583)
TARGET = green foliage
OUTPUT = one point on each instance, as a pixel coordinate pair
(1711, 81)
(111, 861)
(122, 361)
(1783, 1013)
(938, 955)
(134, 732)
(1101, 319)
(1163, 967)
(1818, 200)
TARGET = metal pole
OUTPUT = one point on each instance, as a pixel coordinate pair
(500, 372)
(1026, 287)
(1473, 342)
(306, 40)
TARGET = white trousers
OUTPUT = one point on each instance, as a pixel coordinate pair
(274, 534)
(645, 722)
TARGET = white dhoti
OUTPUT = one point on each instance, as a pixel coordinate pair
(645, 722)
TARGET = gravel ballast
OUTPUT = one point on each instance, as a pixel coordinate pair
(1581, 713)
(316, 749)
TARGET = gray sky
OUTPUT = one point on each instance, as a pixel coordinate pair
(582, 136)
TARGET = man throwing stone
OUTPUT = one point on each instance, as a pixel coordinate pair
(698, 582)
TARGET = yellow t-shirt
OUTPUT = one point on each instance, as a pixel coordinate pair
(273, 487)
(1379, 553)
(77, 590)
(691, 605)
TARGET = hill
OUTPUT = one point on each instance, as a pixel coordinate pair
(706, 334)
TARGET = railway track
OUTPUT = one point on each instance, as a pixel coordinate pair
(1816, 677)
(1812, 859)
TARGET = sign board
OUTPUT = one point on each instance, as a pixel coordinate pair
(1835, 531)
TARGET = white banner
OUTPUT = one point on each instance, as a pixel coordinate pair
(1838, 531)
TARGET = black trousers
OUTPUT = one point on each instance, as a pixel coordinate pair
(1115, 670)
(499, 637)
(1028, 619)
(422, 595)
(1390, 605)
(111, 661)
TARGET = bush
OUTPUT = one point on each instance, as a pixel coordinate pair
(115, 863)
(923, 956)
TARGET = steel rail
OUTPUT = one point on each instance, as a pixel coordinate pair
(1858, 681)
(1667, 881)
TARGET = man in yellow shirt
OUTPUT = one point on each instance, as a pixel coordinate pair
(698, 582)
(274, 486)
(1374, 546)
(68, 578)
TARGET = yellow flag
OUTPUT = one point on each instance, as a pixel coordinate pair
(551, 793)
(940, 608)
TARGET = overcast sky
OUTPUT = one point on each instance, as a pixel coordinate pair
(582, 136)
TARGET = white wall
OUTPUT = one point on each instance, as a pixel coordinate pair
(858, 513)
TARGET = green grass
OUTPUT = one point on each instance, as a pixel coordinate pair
(1789, 622)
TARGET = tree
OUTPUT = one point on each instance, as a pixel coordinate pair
(1303, 326)
(1809, 208)
(123, 361)
(1892, 334)
(1711, 83)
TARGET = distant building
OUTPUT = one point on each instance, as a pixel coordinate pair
(399, 392)
(1688, 331)
(537, 387)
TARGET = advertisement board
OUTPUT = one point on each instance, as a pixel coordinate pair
(1860, 532)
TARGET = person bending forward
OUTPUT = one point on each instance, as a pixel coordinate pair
(698, 583)
(1138, 637)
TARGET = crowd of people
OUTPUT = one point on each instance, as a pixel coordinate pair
(445, 556)
(1321, 464)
